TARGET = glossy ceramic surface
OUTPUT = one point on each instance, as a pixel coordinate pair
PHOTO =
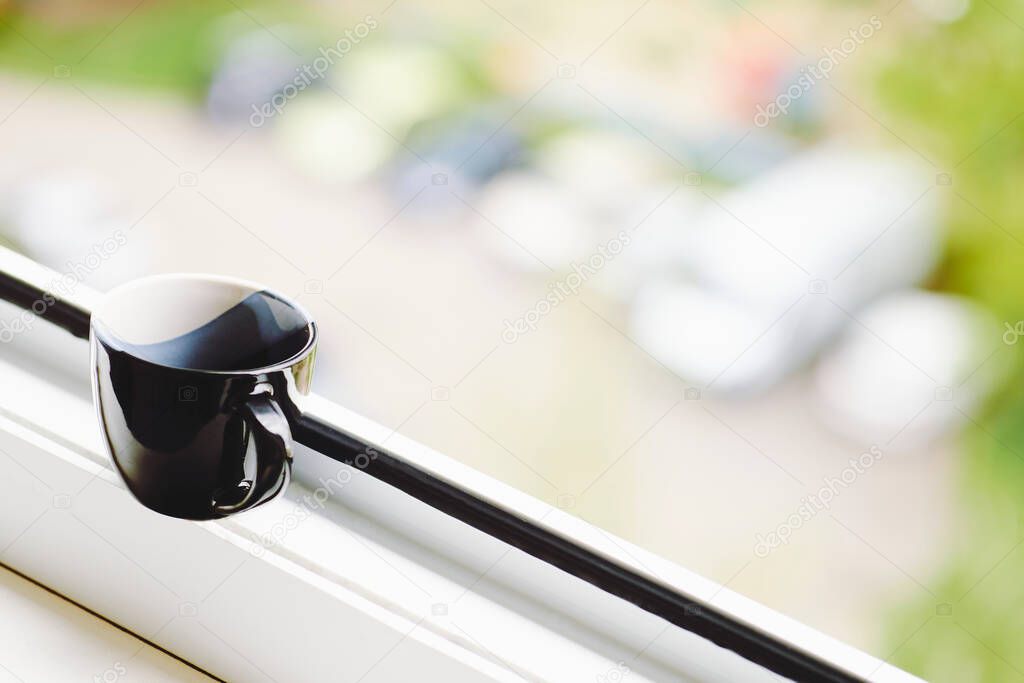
(195, 382)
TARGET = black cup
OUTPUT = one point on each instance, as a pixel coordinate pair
(195, 379)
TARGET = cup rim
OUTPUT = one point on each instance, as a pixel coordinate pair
(97, 328)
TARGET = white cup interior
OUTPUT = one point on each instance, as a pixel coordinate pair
(166, 320)
(155, 309)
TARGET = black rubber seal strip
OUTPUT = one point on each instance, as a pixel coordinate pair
(44, 304)
(610, 576)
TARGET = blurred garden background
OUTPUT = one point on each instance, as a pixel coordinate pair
(741, 282)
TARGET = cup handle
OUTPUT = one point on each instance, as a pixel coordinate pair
(273, 438)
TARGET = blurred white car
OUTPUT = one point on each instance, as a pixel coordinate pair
(772, 270)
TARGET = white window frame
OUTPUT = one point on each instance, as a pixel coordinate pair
(370, 586)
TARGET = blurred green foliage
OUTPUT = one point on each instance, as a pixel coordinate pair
(970, 628)
(958, 87)
(162, 45)
(957, 90)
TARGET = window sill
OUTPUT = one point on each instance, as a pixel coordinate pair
(369, 584)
